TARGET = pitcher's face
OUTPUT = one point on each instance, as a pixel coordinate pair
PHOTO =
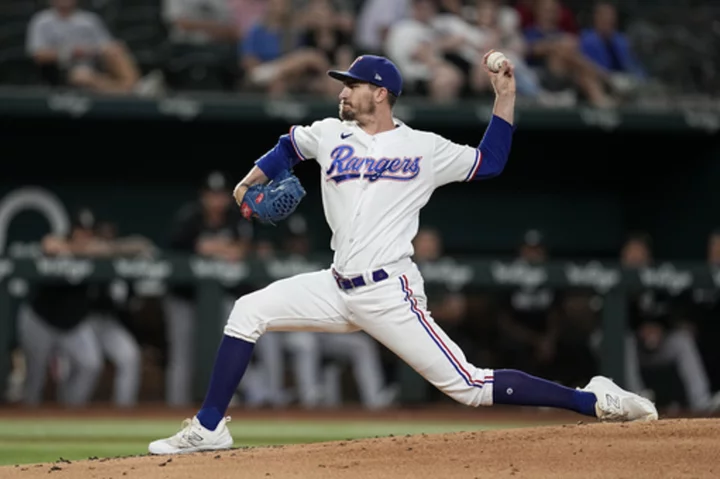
(357, 100)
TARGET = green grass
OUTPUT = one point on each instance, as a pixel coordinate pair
(46, 440)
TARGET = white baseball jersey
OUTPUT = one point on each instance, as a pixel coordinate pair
(373, 186)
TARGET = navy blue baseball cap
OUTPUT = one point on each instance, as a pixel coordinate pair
(375, 70)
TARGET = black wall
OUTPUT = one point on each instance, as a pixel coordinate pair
(586, 190)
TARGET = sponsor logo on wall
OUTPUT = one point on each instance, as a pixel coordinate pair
(593, 274)
(518, 273)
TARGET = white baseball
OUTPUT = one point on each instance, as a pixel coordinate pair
(495, 61)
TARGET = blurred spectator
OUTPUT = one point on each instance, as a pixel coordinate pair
(499, 27)
(296, 240)
(275, 60)
(528, 321)
(323, 32)
(264, 249)
(454, 7)
(108, 317)
(53, 323)
(73, 47)
(659, 339)
(413, 44)
(200, 22)
(427, 245)
(343, 16)
(374, 21)
(577, 319)
(246, 13)
(609, 49)
(558, 58)
(212, 228)
(203, 36)
(79, 324)
(464, 46)
(704, 306)
(709, 305)
(713, 249)
(528, 16)
(362, 353)
(502, 24)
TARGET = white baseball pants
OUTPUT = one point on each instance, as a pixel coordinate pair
(393, 311)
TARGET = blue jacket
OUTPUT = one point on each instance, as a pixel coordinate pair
(594, 47)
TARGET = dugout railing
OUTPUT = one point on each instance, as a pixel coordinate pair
(211, 277)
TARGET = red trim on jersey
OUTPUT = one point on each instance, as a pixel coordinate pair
(294, 144)
(476, 166)
(410, 298)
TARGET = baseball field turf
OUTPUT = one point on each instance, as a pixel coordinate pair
(401, 444)
(45, 440)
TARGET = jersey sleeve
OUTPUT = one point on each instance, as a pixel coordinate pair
(306, 139)
(453, 162)
(101, 33)
(38, 37)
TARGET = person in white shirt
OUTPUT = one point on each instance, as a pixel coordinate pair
(374, 21)
(200, 22)
(73, 46)
(377, 173)
(499, 27)
(418, 50)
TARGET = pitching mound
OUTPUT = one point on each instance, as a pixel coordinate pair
(668, 448)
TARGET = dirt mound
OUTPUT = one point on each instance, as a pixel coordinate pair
(667, 448)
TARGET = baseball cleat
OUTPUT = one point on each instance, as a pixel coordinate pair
(614, 404)
(193, 437)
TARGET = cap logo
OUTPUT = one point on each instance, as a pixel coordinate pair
(356, 60)
(378, 77)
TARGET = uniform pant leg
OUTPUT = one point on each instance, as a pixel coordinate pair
(633, 376)
(304, 348)
(82, 348)
(180, 327)
(37, 340)
(124, 352)
(364, 355)
(395, 313)
(680, 347)
(270, 355)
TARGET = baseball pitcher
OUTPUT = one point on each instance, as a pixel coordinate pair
(376, 175)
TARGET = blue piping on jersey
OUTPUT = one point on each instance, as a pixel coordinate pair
(494, 148)
(281, 158)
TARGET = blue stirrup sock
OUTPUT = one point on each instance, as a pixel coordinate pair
(232, 360)
(521, 389)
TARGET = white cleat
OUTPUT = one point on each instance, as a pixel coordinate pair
(193, 437)
(614, 404)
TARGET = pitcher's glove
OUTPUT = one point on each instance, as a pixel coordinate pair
(272, 202)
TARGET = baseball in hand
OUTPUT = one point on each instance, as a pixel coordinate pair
(495, 61)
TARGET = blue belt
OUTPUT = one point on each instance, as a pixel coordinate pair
(357, 281)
